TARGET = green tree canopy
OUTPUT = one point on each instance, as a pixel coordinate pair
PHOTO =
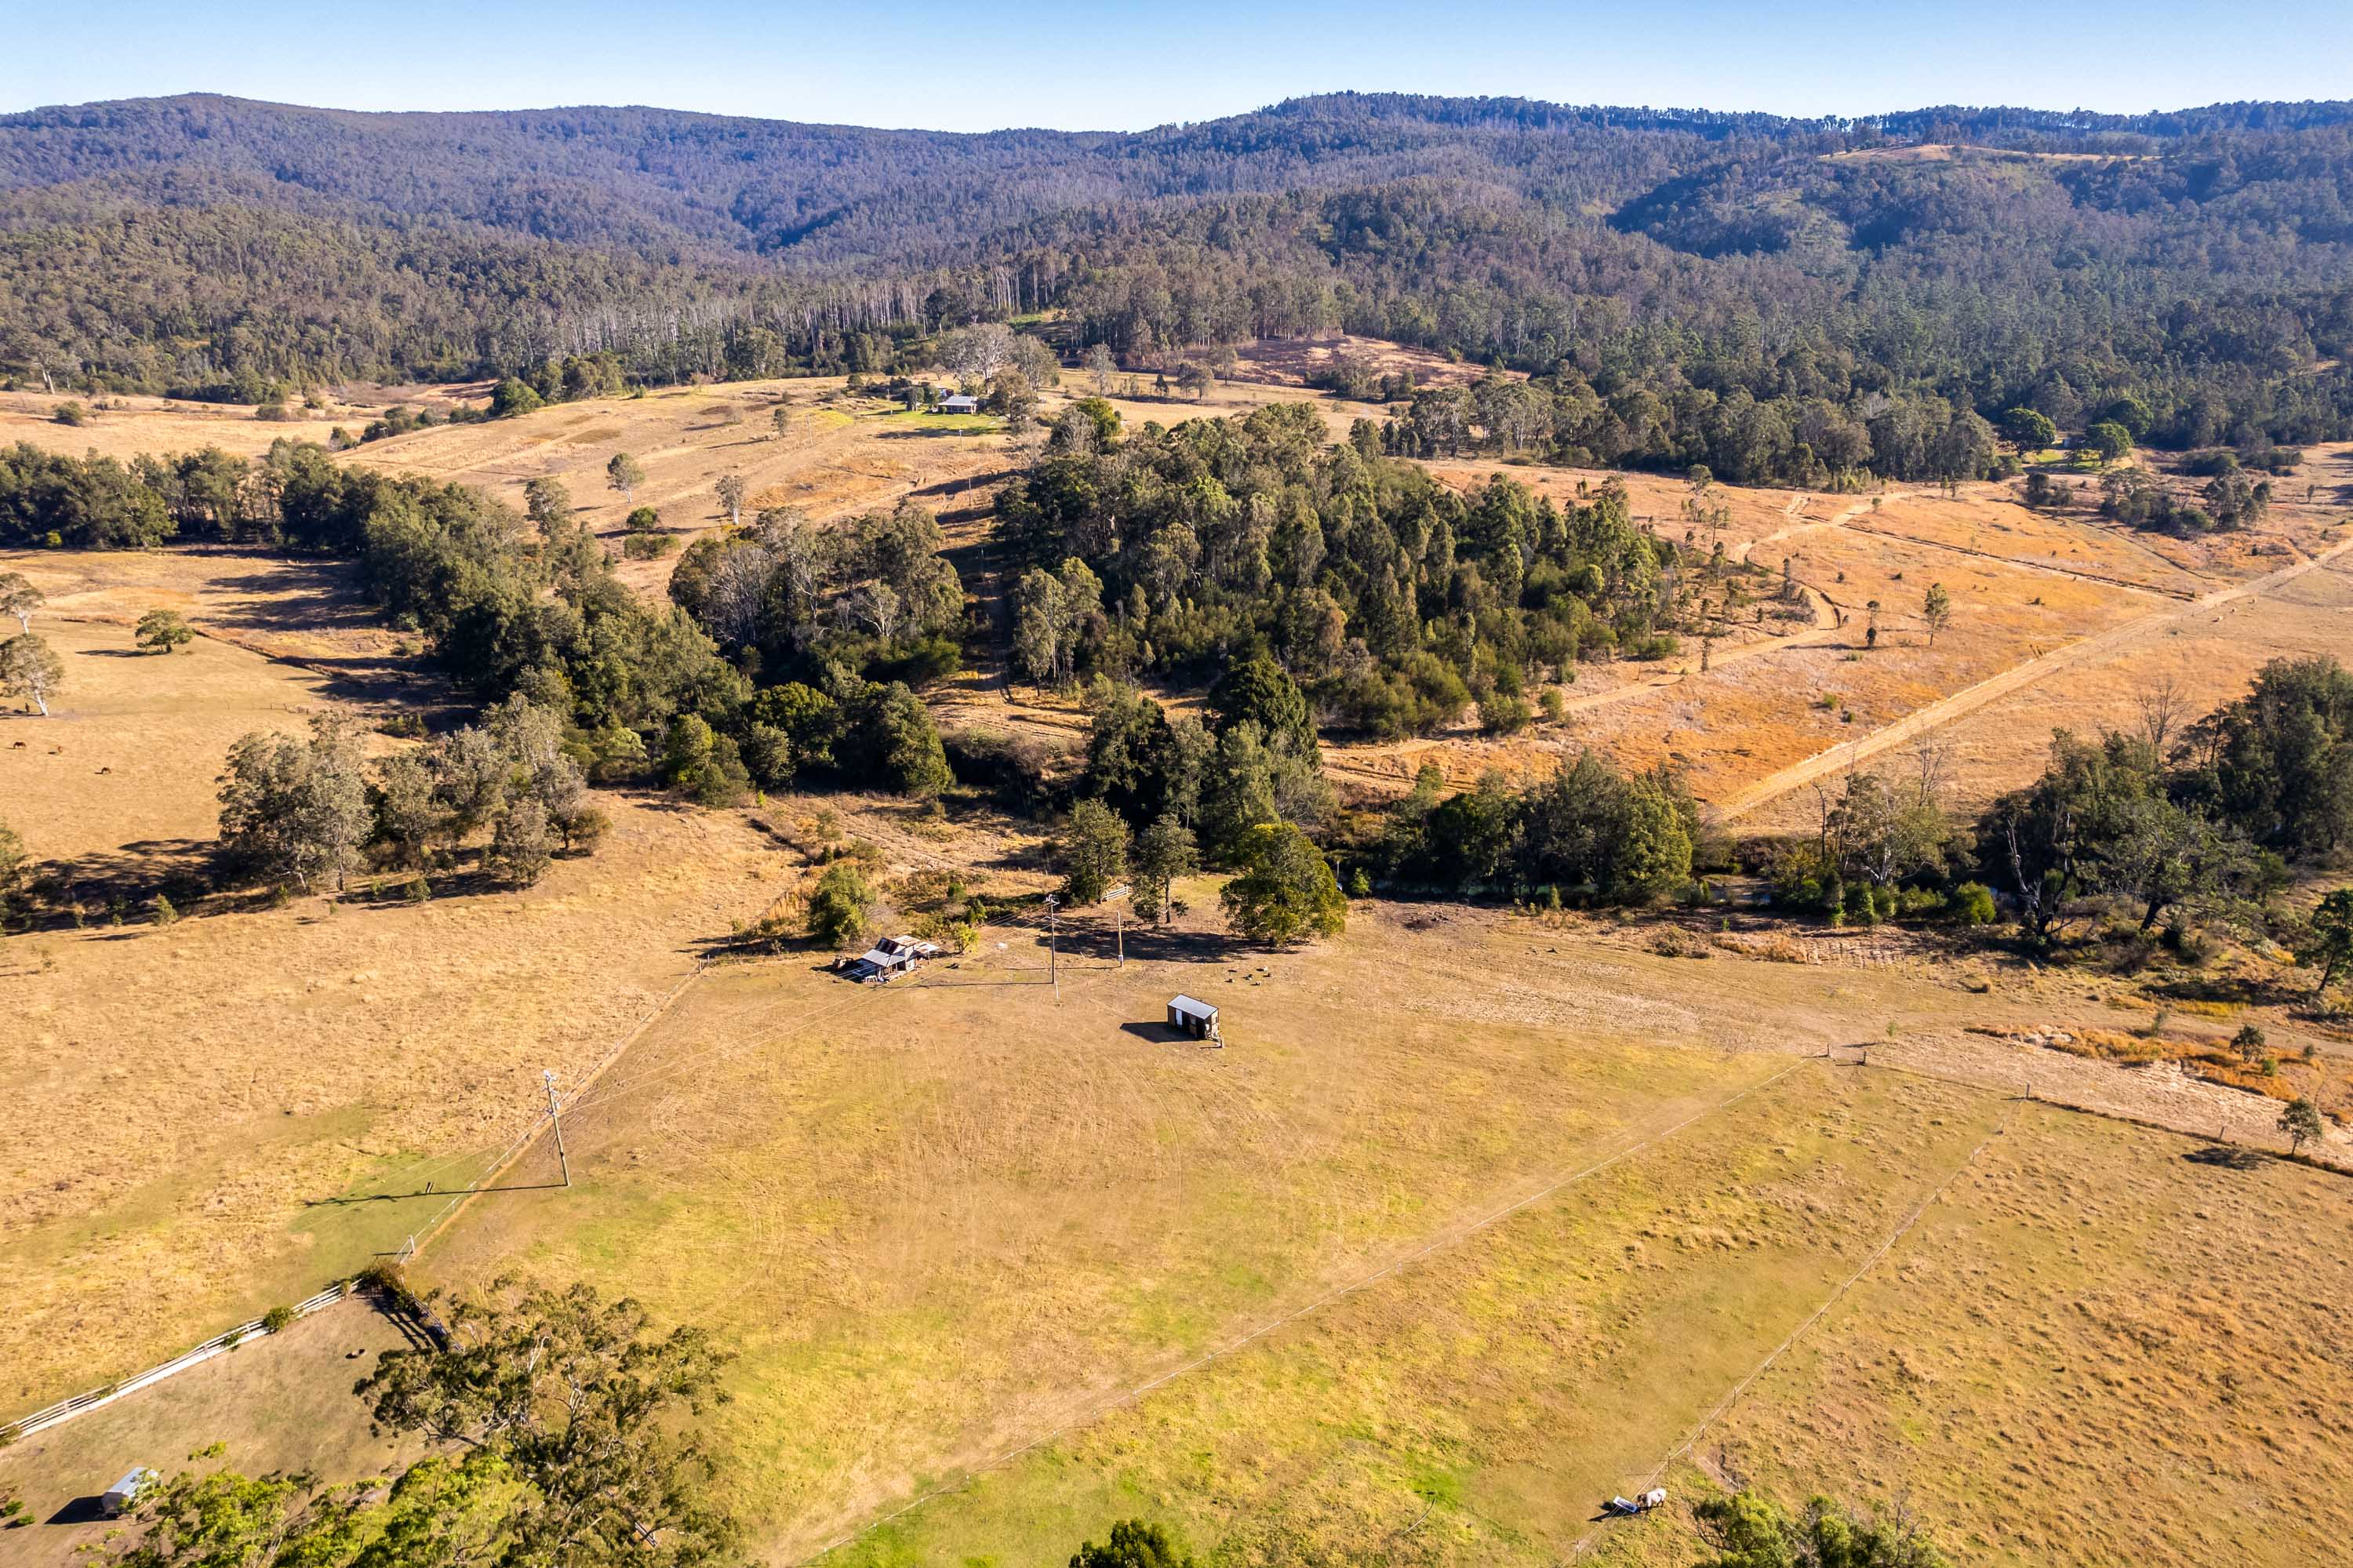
(295, 809)
(1259, 691)
(842, 909)
(1285, 892)
(1751, 1530)
(2328, 944)
(1133, 1543)
(161, 631)
(1162, 852)
(1094, 852)
(564, 1439)
(2029, 428)
(512, 396)
(30, 668)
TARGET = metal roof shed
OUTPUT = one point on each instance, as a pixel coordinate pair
(1191, 1015)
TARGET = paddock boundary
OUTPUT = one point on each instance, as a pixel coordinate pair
(1450, 1238)
(65, 1409)
(1836, 1296)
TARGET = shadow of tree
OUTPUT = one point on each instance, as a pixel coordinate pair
(1148, 944)
(2225, 1156)
(127, 878)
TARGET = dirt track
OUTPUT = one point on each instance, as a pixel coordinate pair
(1969, 699)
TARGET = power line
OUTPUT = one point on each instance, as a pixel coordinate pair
(1832, 1300)
(1450, 1238)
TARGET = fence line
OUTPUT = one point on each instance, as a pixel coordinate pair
(1453, 1236)
(81, 1403)
(1691, 1439)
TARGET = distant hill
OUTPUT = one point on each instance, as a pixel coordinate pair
(202, 241)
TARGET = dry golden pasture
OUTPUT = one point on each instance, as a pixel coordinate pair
(1293, 361)
(201, 1091)
(833, 459)
(942, 1217)
(2028, 589)
(1033, 1266)
(2096, 1347)
(2078, 1351)
(159, 425)
(2209, 656)
(281, 1402)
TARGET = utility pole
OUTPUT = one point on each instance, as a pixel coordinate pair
(1117, 899)
(1053, 945)
(555, 1116)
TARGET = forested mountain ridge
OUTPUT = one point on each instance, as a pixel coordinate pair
(2199, 260)
(629, 175)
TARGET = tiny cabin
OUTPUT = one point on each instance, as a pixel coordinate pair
(890, 957)
(1190, 1015)
(123, 1495)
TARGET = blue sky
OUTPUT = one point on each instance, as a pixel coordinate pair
(988, 63)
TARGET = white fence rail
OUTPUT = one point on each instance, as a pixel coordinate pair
(81, 1403)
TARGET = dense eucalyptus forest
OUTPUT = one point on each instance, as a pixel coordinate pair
(1742, 290)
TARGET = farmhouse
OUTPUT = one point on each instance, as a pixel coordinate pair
(959, 403)
(889, 958)
(1190, 1015)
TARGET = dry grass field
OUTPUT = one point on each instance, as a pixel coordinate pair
(2098, 1346)
(960, 1233)
(160, 425)
(207, 1090)
(1550, 1192)
(282, 1403)
(1297, 361)
(834, 457)
(2077, 1305)
(2055, 608)
(941, 1218)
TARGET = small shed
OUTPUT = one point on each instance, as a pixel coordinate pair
(123, 1495)
(1191, 1015)
(959, 403)
(892, 957)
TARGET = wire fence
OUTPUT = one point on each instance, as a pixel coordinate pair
(65, 1409)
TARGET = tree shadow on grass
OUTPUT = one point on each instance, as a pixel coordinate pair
(1091, 943)
(127, 878)
(958, 487)
(2225, 1157)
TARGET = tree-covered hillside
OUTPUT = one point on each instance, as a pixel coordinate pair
(2199, 261)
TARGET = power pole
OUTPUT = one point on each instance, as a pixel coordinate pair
(555, 1116)
(1053, 945)
(1117, 898)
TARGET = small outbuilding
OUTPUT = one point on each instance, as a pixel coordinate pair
(889, 958)
(959, 403)
(123, 1495)
(1190, 1015)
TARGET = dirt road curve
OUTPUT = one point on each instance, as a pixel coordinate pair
(1969, 699)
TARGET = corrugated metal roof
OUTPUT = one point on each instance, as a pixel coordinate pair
(1194, 1006)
